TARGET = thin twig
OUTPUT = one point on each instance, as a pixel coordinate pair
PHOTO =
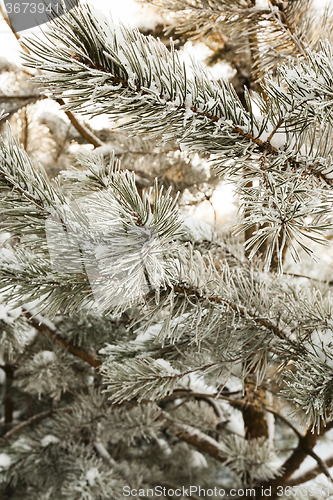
(25, 129)
(80, 127)
(321, 464)
(21, 97)
(285, 421)
(296, 275)
(32, 420)
(310, 474)
(55, 337)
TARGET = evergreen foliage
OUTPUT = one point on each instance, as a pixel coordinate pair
(135, 354)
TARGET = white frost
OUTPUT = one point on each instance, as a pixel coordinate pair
(198, 230)
(45, 357)
(5, 461)
(91, 475)
(197, 460)
(166, 365)
(49, 439)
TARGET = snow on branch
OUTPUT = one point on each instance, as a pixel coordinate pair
(123, 73)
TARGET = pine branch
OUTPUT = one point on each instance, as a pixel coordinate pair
(292, 464)
(116, 73)
(81, 127)
(142, 378)
(135, 221)
(236, 403)
(322, 466)
(310, 474)
(33, 420)
(18, 174)
(55, 337)
(196, 438)
(116, 76)
(227, 452)
(280, 28)
(127, 74)
(130, 81)
(201, 19)
(238, 309)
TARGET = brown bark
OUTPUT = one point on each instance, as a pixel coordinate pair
(32, 420)
(8, 400)
(310, 474)
(55, 337)
(254, 415)
(80, 127)
(292, 464)
(196, 438)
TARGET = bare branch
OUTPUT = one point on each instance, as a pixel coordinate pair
(21, 97)
(292, 464)
(81, 128)
(32, 420)
(310, 474)
(55, 337)
(195, 437)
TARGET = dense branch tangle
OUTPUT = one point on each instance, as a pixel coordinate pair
(278, 26)
(187, 433)
(130, 75)
(205, 322)
(124, 74)
(213, 293)
(136, 75)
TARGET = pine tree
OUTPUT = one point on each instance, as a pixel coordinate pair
(135, 353)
